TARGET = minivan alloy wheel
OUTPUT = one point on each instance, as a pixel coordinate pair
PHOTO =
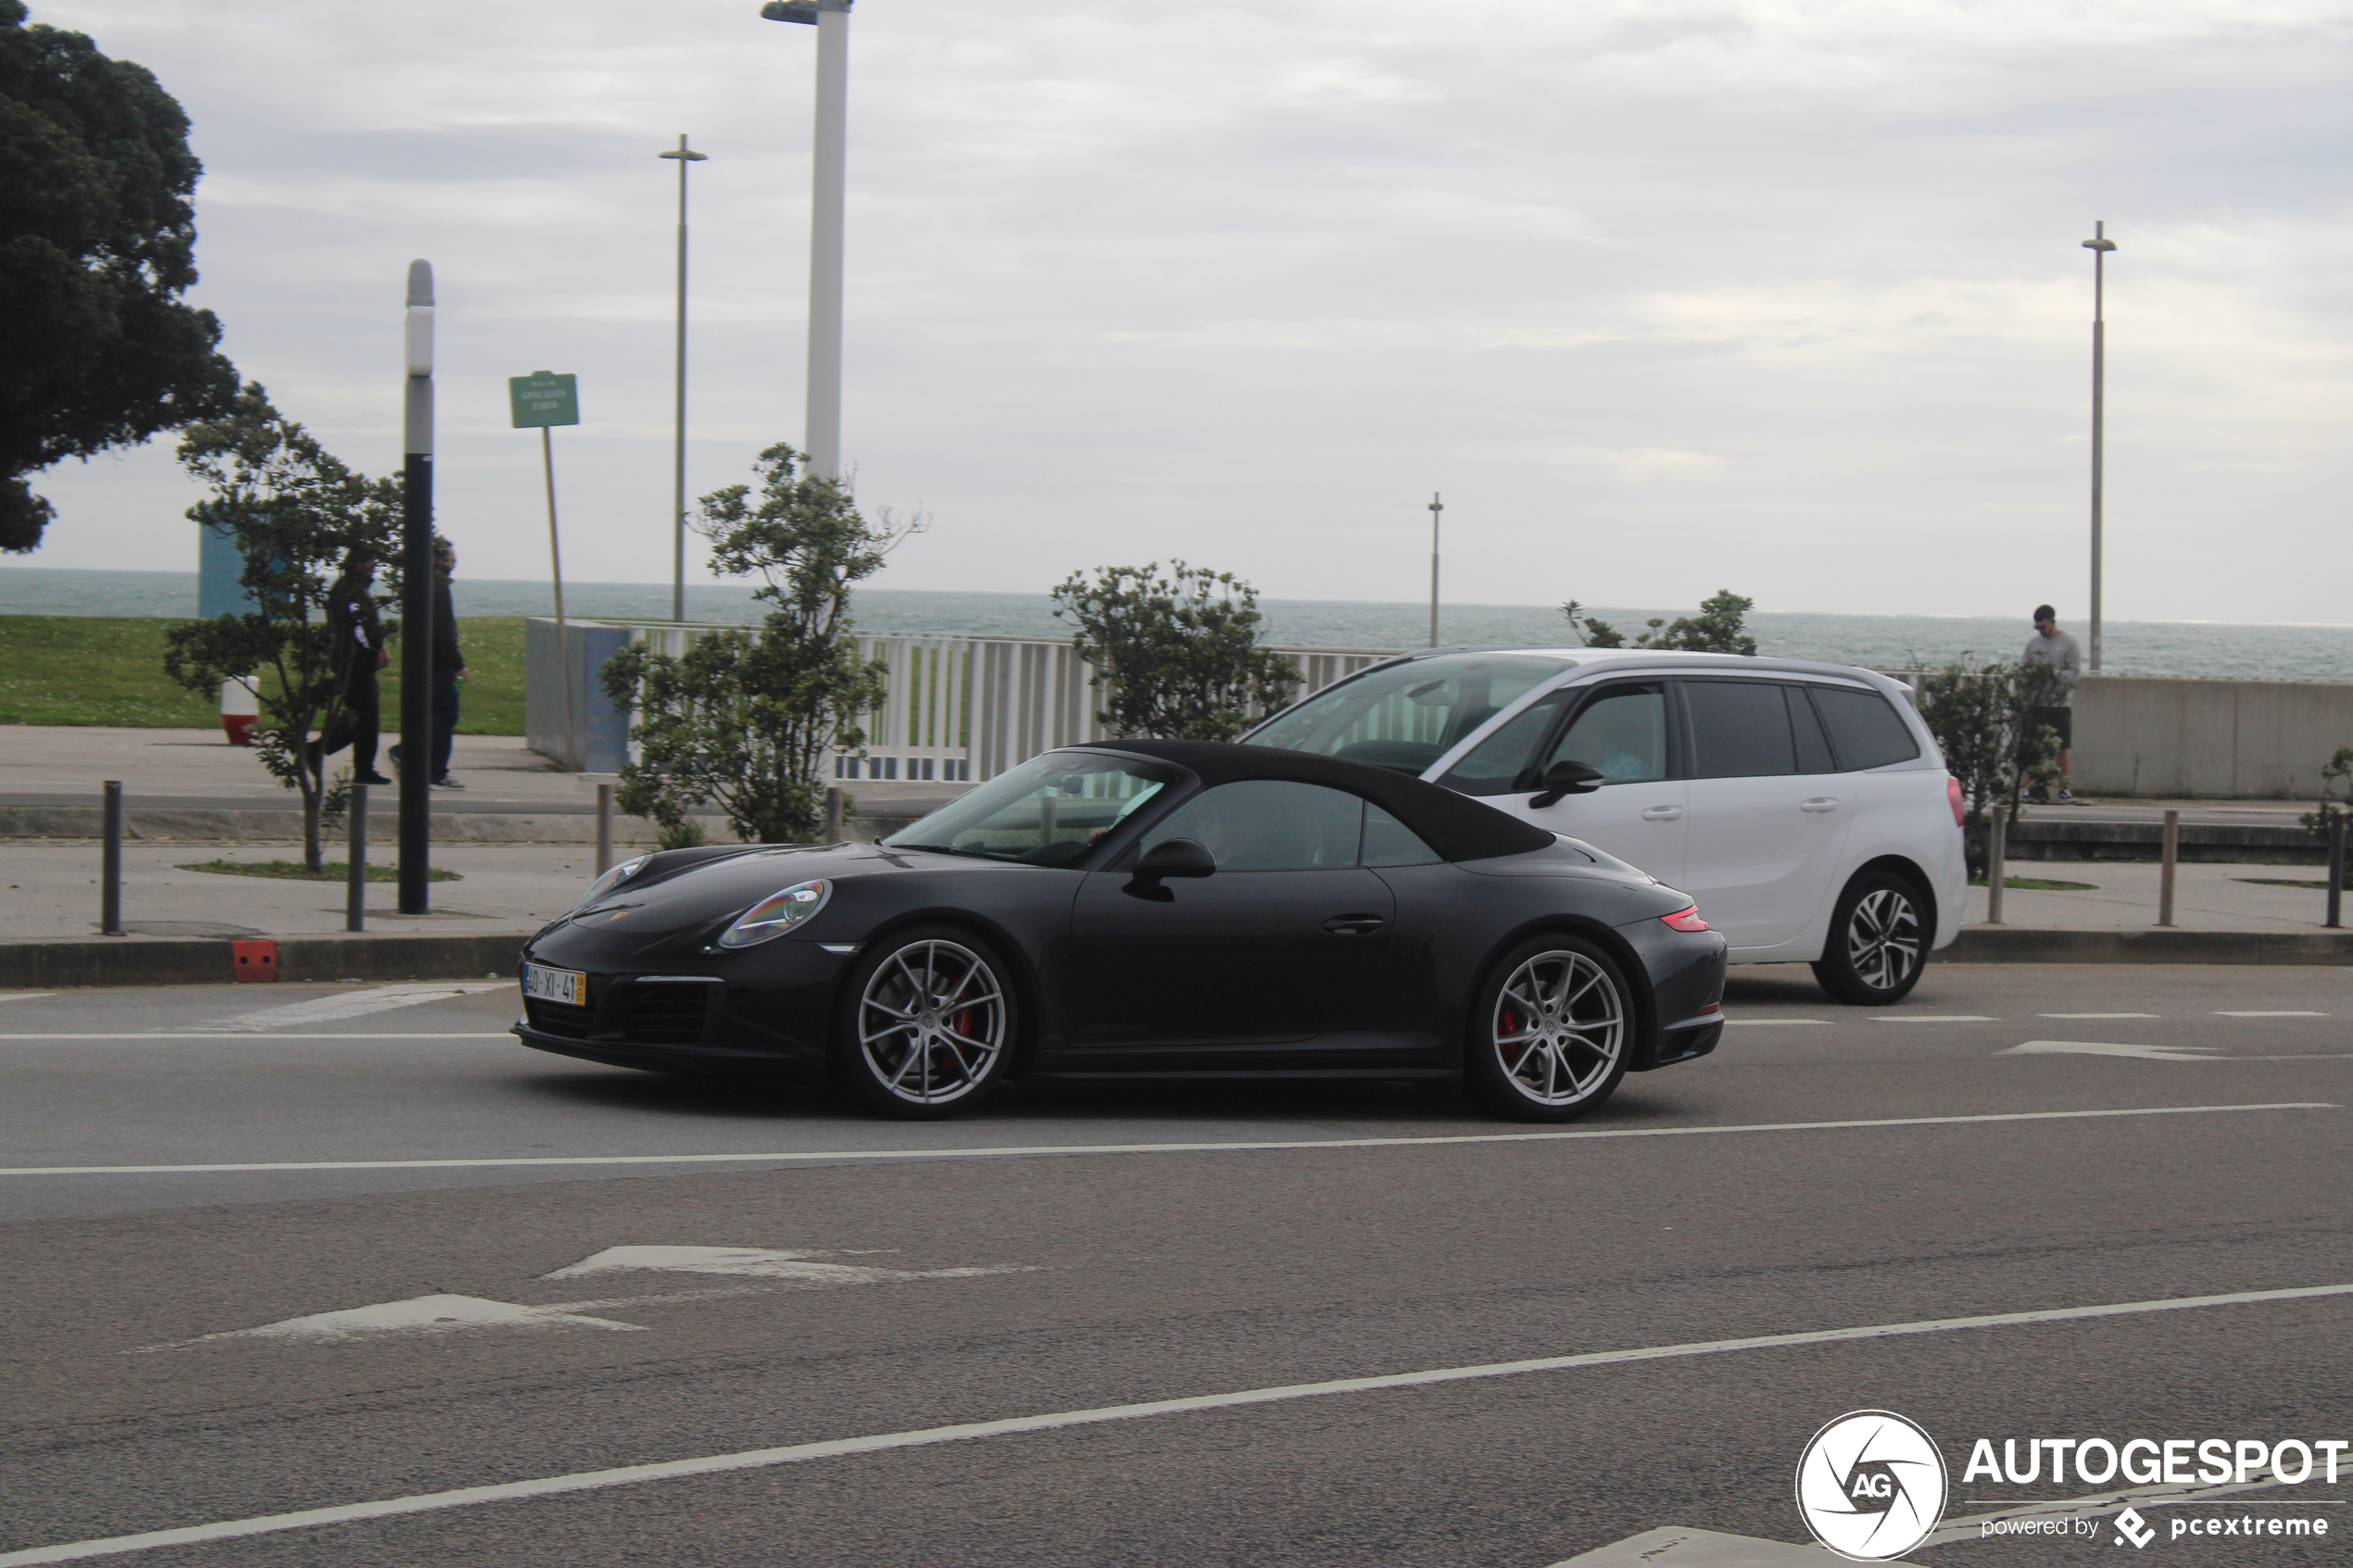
(1884, 940)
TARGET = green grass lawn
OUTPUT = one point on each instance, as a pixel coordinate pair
(106, 669)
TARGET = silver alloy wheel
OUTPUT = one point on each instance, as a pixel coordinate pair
(1884, 940)
(1559, 1027)
(931, 1022)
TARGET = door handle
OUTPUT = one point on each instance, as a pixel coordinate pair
(1819, 803)
(1662, 813)
(1353, 925)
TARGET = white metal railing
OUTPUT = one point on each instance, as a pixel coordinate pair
(966, 709)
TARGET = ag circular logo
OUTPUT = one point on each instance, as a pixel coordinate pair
(1871, 1486)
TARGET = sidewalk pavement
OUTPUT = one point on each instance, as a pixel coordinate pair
(51, 890)
(2123, 897)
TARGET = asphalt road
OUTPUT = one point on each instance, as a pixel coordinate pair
(929, 1277)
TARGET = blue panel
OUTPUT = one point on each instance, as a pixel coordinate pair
(219, 565)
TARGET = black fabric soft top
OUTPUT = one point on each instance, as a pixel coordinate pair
(1457, 826)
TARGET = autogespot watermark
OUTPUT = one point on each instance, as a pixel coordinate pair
(1872, 1485)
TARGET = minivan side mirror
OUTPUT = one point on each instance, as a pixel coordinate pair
(1567, 778)
(1174, 858)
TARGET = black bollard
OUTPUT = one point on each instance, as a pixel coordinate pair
(110, 865)
(355, 891)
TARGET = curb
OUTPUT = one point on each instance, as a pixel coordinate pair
(206, 960)
(2007, 944)
(2041, 838)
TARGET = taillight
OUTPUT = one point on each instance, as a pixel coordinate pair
(1686, 920)
(1953, 795)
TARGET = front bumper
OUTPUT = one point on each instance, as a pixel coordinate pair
(674, 1006)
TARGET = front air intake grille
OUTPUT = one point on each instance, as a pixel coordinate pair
(665, 1015)
(555, 1018)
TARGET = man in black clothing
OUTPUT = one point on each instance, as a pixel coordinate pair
(448, 665)
(358, 642)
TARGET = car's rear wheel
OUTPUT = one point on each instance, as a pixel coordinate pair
(925, 1024)
(1550, 1032)
(1878, 941)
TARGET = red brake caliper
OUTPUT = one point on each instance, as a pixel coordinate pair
(1507, 1023)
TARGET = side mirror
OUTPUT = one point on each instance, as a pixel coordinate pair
(1567, 778)
(1174, 858)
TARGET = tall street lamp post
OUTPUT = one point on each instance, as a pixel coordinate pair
(831, 19)
(1437, 506)
(2099, 244)
(678, 440)
(415, 596)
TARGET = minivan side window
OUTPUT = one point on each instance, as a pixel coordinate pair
(1812, 746)
(1496, 763)
(1866, 731)
(1622, 732)
(1739, 730)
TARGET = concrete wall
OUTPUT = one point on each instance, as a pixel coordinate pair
(2151, 735)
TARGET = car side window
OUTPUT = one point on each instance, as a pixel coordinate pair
(1866, 731)
(1269, 825)
(1622, 732)
(1812, 746)
(1496, 764)
(1388, 842)
(1739, 730)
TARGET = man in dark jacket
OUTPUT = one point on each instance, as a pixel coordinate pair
(358, 642)
(448, 665)
(448, 669)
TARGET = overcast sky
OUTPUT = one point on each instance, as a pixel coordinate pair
(1664, 294)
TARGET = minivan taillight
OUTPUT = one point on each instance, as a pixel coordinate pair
(1953, 795)
(1686, 920)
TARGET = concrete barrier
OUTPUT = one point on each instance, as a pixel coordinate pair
(205, 961)
(2181, 738)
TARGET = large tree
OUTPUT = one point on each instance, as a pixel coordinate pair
(98, 243)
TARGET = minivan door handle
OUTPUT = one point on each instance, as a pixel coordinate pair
(1661, 813)
(1819, 803)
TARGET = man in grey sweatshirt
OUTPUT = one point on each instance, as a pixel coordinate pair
(2052, 646)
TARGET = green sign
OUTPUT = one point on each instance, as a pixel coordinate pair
(543, 398)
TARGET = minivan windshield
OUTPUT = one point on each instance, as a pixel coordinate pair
(1407, 716)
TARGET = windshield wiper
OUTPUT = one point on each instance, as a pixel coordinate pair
(948, 849)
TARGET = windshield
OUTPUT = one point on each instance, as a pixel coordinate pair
(1407, 716)
(1049, 812)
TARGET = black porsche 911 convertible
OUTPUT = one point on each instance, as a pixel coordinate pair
(1145, 908)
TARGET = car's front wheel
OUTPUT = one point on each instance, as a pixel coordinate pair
(924, 1025)
(1550, 1032)
(1878, 941)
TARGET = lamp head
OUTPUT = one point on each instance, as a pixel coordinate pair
(2102, 243)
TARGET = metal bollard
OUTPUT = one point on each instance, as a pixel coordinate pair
(2169, 852)
(604, 828)
(832, 814)
(355, 891)
(1997, 844)
(2336, 872)
(110, 865)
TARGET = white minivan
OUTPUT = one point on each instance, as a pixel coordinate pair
(1804, 807)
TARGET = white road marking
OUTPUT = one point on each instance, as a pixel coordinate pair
(2095, 1015)
(353, 1004)
(796, 1453)
(1768, 1023)
(274, 1035)
(788, 1268)
(773, 1155)
(419, 1314)
(1931, 1018)
(1680, 1545)
(2102, 1047)
(26, 995)
(2289, 1012)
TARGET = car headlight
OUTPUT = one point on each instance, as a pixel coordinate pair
(777, 913)
(611, 880)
